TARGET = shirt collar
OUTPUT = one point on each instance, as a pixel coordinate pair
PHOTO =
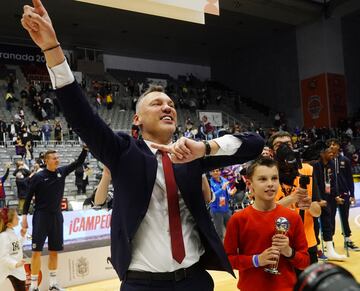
(149, 143)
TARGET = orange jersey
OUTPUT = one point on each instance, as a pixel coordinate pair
(308, 218)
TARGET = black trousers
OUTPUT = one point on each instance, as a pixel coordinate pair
(327, 218)
(344, 215)
(201, 281)
(17, 284)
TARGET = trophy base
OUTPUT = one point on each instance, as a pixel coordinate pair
(272, 271)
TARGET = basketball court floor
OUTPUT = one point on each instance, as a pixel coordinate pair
(225, 282)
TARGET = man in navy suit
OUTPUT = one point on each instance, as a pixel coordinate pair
(162, 237)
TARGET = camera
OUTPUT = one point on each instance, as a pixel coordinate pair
(289, 163)
(326, 277)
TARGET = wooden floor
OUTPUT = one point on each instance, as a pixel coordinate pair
(225, 282)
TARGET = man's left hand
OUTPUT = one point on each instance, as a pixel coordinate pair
(184, 150)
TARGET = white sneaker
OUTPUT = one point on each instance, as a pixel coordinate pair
(56, 287)
(33, 289)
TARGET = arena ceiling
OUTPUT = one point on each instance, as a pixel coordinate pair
(240, 24)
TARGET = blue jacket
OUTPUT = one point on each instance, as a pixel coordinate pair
(221, 202)
(133, 169)
(343, 174)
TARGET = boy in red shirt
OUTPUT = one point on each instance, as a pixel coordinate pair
(251, 243)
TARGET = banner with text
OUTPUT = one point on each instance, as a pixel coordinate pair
(82, 225)
(20, 55)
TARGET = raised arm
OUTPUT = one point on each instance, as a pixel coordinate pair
(103, 187)
(79, 161)
(100, 139)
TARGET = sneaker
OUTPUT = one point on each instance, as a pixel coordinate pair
(351, 246)
(56, 287)
(321, 255)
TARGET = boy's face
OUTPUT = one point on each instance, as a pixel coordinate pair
(215, 173)
(264, 183)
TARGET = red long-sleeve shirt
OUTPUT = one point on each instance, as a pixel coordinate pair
(249, 232)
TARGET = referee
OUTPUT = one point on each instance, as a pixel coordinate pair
(48, 188)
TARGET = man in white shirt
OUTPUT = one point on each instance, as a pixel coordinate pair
(161, 233)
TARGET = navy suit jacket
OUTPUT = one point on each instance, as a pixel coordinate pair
(133, 169)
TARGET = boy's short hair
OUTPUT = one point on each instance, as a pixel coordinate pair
(261, 161)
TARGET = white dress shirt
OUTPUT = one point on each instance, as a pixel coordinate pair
(151, 245)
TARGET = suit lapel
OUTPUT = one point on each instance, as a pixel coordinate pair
(151, 168)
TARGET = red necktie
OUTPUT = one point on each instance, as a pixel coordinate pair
(177, 241)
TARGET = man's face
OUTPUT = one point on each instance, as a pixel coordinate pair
(264, 183)
(280, 140)
(52, 161)
(156, 114)
(327, 155)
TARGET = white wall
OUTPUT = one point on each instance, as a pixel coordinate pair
(155, 66)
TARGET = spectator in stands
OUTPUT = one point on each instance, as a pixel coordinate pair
(21, 112)
(237, 128)
(70, 132)
(21, 174)
(3, 128)
(266, 152)
(350, 149)
(2, 186)
(24, 97)
(29, 156)
(109, 101)
(206, 129)
(82, 178)
(46, 130)
(140, 86)
(40, 160)
(35, 131)
(219, 208)
(355, 163)
(9, 99)
(12, 129)
(10, 83)
(48, 107)
(98, 101)
(58, 131)
(131, 86)
(19, 147)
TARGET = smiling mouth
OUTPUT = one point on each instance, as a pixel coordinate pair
(168, 118)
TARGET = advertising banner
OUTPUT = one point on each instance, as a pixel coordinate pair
(324, 100)
(214, 117)
(82, 225)
(20, 55)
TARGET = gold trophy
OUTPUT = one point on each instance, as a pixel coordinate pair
(282, 226)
